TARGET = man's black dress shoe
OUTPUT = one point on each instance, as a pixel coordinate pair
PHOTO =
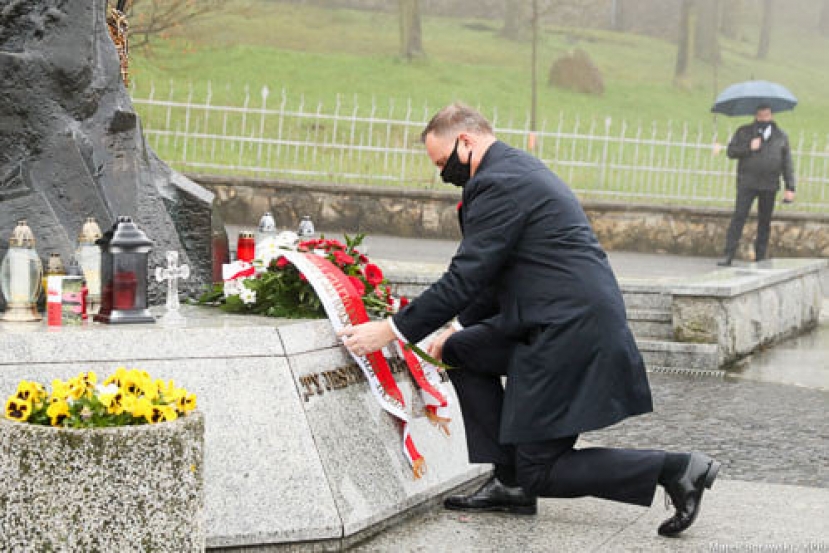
(494, 496)
(686, 493)
(725, 262)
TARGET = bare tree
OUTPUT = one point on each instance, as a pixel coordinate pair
(150, 18)
(731, 18)
(823, 23)
(411, 37)
(618, 22)
(687, 24)
(707, 42)
(765, 29)
(516, 19)
(534, 60)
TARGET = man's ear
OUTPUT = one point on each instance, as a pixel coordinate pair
(466, 139)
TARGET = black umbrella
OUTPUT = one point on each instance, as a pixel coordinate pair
(744, 98)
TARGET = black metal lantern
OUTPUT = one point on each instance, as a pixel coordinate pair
(125, 253)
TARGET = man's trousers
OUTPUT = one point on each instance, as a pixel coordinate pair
(551, 468)
(765, 207)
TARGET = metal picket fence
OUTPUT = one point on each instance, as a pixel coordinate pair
(291, 138)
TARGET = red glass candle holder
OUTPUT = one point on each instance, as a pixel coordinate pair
(245, 246)
(124, 286)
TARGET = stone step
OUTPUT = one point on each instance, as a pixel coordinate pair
(664, 355)
(650, 330)
(639, 298)
(650, 315)
(651, 323)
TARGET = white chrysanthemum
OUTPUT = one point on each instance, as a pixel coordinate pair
(232, 287)
(247, 296)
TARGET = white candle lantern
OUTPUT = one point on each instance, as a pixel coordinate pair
(266, 245)
(306, 228)
(88, 255)
(20, 276)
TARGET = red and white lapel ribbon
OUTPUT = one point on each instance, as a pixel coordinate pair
(344, 306)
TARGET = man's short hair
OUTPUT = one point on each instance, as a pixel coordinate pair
(456, 118)
(762, 107)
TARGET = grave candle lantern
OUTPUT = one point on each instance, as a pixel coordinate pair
(88, 255)
(246, 246)
(125, 253)
(266, 244)
(306, 228)
(20, 276)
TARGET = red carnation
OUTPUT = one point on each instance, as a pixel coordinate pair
(282, 262)
(332, 244)
(342, 259)
(358, 285)
(374, 275)
(363, 259)
(404, 301)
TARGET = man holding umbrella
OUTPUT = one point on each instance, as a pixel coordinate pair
(763, 155)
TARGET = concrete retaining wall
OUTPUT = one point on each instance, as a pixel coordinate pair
(432, 214)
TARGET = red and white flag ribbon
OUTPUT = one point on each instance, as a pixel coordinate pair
(344, 306)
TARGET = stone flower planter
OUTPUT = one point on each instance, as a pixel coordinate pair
(133, 488)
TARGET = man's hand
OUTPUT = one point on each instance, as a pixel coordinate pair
(367, 337)
(435, 348)
(788, 196)
(756, 143)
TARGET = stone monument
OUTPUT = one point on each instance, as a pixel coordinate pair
(71, 145)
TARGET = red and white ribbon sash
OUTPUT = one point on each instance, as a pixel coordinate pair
(432, 391)
(344, 306)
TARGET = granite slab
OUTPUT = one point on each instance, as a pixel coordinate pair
(289, 461)
(360, 445)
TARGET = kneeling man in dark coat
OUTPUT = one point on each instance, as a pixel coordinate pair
(535, 300)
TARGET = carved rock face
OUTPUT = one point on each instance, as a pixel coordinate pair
(71, 144)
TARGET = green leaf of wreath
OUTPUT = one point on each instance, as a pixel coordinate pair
(428, 358)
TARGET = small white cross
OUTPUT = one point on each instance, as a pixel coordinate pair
(171, 274)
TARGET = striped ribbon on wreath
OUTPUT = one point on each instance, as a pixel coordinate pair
(344, 306)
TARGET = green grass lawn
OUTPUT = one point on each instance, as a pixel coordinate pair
(320, 53)
(324, 56)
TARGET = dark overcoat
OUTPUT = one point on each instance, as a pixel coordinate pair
(762, 169)
(530, 262)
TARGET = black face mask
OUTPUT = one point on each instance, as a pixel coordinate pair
(455, 172)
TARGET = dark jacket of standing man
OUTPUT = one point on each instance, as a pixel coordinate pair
(763, 155)
(543, 309)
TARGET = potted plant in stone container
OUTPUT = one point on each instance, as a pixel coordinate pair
(114, 465)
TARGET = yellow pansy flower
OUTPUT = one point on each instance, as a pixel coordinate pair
(57, 412)
(26, 391)
(80, 387)
(113, 402)
(161, 413)
(187, 402)
(116, 378)
(18, 409)
(141, 407)
(60, 390)
(138, 383)
(166, 389)
(31, 391)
